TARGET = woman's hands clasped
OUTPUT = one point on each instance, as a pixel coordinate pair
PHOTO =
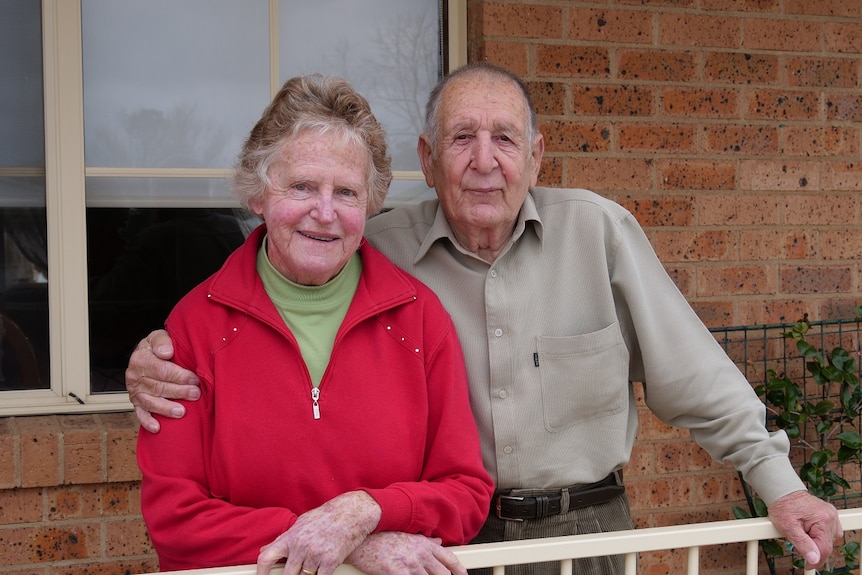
(323, 537)
(339, 531)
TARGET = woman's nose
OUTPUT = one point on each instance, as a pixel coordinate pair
(324, 209)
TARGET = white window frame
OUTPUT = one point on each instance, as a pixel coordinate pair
(65, 174)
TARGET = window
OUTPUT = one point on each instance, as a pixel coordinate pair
(120, 123)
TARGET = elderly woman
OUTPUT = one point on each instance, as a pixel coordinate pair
(334, 424)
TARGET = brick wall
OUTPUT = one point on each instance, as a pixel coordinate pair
(70, 497)
(731, 129)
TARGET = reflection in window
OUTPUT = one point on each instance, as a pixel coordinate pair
(23, 229)
(140, 263)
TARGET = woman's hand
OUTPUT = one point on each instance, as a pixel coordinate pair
(322, 538)
(396, 553)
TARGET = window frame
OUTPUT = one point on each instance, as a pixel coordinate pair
(65, 174)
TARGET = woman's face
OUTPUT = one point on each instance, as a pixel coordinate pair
(315, 209)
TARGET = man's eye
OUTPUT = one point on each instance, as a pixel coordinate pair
(300, 187)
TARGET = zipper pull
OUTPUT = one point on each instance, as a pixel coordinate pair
(315, 407)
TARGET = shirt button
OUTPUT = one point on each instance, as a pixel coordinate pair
(493, 273)
(507, 450)
(503, 394)
(498, 332)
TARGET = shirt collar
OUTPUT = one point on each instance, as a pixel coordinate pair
(441, 229)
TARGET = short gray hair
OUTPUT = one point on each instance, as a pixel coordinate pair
(324, 105)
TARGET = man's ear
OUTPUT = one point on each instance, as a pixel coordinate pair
(426, 159)
(536, 153)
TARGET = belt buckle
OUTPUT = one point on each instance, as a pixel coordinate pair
(500, 509)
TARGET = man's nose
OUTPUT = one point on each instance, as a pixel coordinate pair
(483, 156)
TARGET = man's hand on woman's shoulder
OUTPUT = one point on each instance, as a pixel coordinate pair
(153, 380)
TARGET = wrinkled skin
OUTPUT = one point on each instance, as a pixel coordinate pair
(323, 537)
(810, 523)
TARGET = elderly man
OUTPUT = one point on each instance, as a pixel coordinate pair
(559, 302)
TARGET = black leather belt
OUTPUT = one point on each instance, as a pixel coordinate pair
(519, 508)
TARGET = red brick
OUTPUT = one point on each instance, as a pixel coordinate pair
(40, 450)
(642, 461)
(777, 175)
(127, 538)
(9, 454)
(841, 244)
(549, 98)
(21, 506)
(819, 210)
(814, 141)
(712, 31)
(844, 107)
(610, 174)
(109, 567)
(734, 280)
(565, 136)
(513, 56)
(683, 278)
(606, 25)
(782, 34)
(121, 442)
(741, 68)
(551, 172)
(521, 21)
(572, 61)
(652, 210)
(741, 139)
(612, 100)
(694, 246)
(696, 175)
(843, 37)
(700, 102)
(775, 244)
(838, 308)
(842, 176)
(771, 311)
(659, 3)
(82, 450)
(815, 279)
(657, 65)
(714, 313)
(782, 105)
(843, 8)
(652, 428)
(53, 543)
(737, 210)
(662, 492)
(742, 5)
(662, 138)
(823, 72)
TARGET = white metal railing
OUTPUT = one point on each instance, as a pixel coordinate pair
(629, 543)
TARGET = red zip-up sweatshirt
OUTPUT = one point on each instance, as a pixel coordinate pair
(249, 456)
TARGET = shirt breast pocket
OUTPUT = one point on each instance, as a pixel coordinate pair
(583, 376)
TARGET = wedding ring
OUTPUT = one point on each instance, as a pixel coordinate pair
(308, 572)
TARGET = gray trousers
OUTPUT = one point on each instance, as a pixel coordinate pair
(615, 515)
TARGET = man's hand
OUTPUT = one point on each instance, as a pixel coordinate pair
(321, 538)
(809, 523)
(396, 553)
(152, 380)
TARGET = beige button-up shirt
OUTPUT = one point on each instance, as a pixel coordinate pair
(575, 307)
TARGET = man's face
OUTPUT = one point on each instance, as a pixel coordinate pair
(484, 162)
